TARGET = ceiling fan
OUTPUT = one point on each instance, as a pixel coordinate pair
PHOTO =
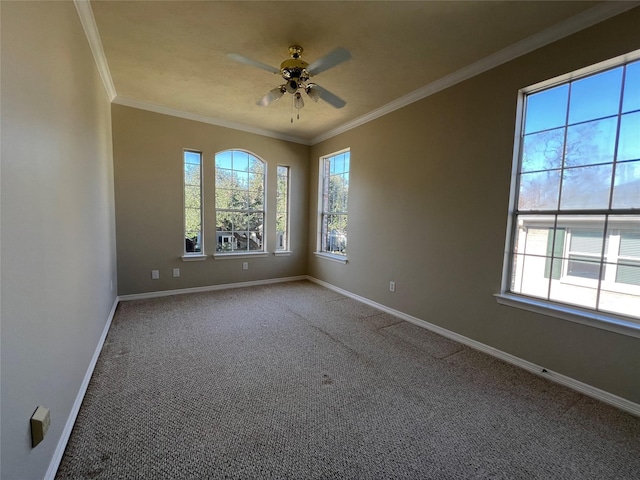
(296, 74)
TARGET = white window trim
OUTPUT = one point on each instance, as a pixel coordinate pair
(245, 253)
(602, 320)
(287, 248)
(319, 253)
(184, 235)
(282, 253)
(592, 318)
(197, 257)
(229, 256)
(332, 257)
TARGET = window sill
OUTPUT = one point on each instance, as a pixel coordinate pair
(282, 253)
(194, 258)
(604, 321)
(331, 257)
(227, 256)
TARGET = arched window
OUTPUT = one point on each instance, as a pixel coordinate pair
(240, 201)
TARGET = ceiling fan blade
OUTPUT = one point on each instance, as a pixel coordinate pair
(330, 60)
(329, 97)
(254, 63)
(272, 96)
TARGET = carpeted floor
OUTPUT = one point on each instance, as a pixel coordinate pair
(296, 381)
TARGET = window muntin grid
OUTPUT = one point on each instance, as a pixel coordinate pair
(192, 161)
(282, 208)
(335, 195)
(578, 177)
(239, 202)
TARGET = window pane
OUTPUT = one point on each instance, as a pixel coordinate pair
(239, 201)
(632, 88)
(543, 151)
(192, 158)
(335, 186)
(630, 243)
(629, 142)
(192, 196)
(585, 240)
(584, 267)
(591, 143)
(547, 109)
(621, 303)
(223, 160)
(192, 202)
(626, 190)
(224, 178)
(529, 278)
(240, 161)
(595, 96)
(282, 221)
(575, 293)
(586, 187)
(539, 191)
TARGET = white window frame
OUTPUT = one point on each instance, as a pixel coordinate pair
(243, 253)
(190, 256)
(604, 320)
(285, 247)
(320, 251)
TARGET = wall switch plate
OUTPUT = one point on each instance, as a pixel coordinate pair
(176, 272)
(392, 286)
(40, 421)
(155, 274)
(245, 265)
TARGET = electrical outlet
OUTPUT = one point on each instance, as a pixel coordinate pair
(176, 272)
(155, 274)
(40, 422)
(245, 265)
(392, 286)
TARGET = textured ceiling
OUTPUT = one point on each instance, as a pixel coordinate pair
(173, 54)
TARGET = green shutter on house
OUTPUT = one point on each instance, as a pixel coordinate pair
(555, 251)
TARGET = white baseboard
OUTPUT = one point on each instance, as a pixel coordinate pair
(588, 390)
(225, 286)
(71, 420)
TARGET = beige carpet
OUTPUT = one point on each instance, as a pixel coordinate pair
(296, 381)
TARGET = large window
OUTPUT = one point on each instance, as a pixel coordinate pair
(240, 200)
(192, 202)
(334, 188)
(576, 216)
(282, 209)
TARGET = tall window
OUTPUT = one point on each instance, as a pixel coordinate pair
(240, 201)
(192, 202)
(576, 218)
(282, 209)
(334, 187)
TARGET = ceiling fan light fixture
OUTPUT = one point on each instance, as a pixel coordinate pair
(314, 93)
(292, 86)
(298, 102)
(273, 95)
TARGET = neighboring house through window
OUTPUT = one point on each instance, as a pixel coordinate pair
(334, 195)
(192, 202)
(239, 202)
(575, 236)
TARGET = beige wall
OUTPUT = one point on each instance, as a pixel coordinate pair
(149, 205)
(428, 205)
(58, 228)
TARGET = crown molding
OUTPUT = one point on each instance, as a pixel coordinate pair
(130, 102)
(88, 21)
(556, 32)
